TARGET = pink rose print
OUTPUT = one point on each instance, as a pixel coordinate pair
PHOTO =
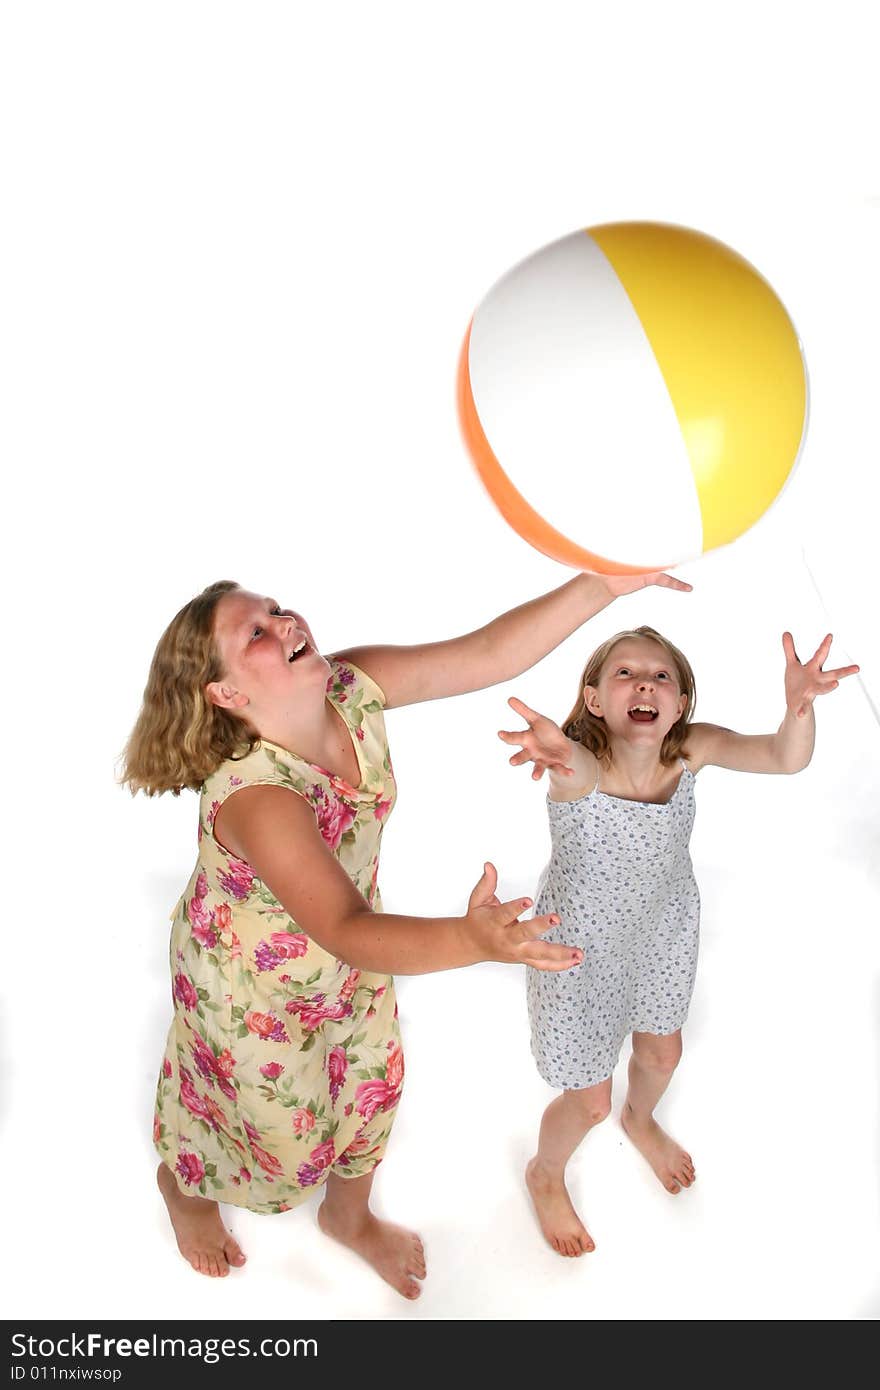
(313, 1012)
(222, 915)
(356, 1148)
(350, 983)
(215, 1114)
(204, 932)
(281, 946)
(272, 1071)
(210, 817)
(191, 1169)
(250, 1131)
(166, 1067)
(268, 1162)
(303, 1121)
(266, 1026)
(192, 1100)
(202, 885)
(310, 1173)
(235, 781)
(345, 675)
(334, 815)
(359, 735)
(184, 990)
(337, 1066)
(381, 809)
(157, 1128)
(224, 1063)
(238, 881)
(371, 1097)
(394, 1066)
(245, 1173)
(324, 1154)
(226, 1088)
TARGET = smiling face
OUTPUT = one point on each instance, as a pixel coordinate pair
(268, 657)
(638, 694)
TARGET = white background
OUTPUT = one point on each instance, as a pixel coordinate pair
(242, 245)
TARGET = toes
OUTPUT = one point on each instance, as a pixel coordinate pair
(234, 1253)
(410, 1289)
(673, 1187)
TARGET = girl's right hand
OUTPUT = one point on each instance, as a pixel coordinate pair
(495, 933)
(543, 743)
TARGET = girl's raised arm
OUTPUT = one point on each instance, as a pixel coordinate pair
(572, 767)
(791, 747)
(502, 649)
(274, 830)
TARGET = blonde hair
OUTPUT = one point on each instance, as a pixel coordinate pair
(586, 728)
(181, 737)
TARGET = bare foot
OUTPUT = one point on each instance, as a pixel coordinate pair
(395, 1254)
(673, 1166)
(560, 1222)
(201, 1236)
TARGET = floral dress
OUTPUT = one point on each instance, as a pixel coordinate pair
(283, 1064)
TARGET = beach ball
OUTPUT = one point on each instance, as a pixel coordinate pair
(632, 396)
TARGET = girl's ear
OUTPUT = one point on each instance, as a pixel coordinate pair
(682, 705)
(591, 701)
(225, 696)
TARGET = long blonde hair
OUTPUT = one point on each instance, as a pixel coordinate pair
(585, 728)
(180, 737)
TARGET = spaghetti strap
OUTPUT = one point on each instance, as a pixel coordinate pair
(598, 775)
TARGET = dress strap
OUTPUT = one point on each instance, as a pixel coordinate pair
(598, 775)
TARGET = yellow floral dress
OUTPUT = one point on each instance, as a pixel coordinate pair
(283, 1064)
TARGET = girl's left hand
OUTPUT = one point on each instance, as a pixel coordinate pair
(804, 682)
(619, 584)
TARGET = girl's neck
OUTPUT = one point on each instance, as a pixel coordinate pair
(315, 733)
(636, 769)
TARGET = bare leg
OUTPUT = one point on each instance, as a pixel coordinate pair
(653, 1061)
(396, 1254)
(566, 1121)
(201, 1236)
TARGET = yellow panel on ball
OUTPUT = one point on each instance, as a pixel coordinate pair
(632, 396)
(730, 357)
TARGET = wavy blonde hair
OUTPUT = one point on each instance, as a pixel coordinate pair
(181, 737)
(585, 728)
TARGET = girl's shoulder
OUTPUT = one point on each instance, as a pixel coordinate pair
(699, 745)
(350, 685)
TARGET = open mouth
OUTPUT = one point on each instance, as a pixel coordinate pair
(299, 650)
(643, 714)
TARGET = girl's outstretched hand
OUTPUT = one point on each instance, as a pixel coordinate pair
(543, 742)
(619, 584)
(494, 931)
(803, 682)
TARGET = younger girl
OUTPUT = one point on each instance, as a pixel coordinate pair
(621, 807)
(283, 1066)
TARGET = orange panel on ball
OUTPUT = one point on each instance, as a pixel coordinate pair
(511, 503)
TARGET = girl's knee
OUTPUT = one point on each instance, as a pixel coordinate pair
(593, 1105)
(658, 1054)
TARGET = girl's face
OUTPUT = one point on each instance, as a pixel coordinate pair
(638, 693)
(267, 653)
